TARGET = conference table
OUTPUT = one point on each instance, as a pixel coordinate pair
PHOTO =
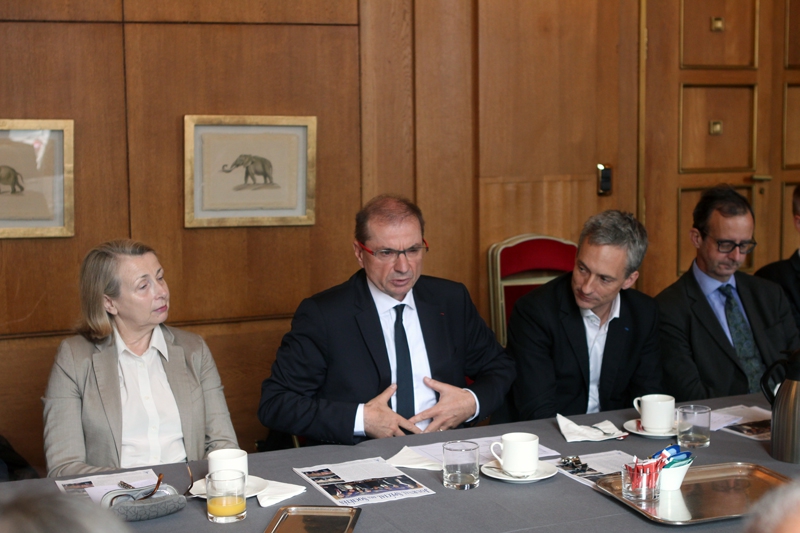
(558, 504)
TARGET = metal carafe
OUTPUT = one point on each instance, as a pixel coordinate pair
(785, 409)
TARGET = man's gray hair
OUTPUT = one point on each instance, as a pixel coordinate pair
(617, 228)
(774, 508)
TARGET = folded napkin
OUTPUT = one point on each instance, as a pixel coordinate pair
(408, 458)
(277, 492)
(575, 433)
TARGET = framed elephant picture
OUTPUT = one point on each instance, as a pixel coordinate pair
(249, 170)
(36, 178)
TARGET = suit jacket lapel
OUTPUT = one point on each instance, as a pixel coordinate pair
(794, 260)
(175, 368)
(371, 331)
(705, 315)
(757, 325)
(434, 332)
(572, 322)
(106, 370)
(616, 345)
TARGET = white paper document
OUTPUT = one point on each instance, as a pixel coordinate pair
(95, 487)
(360, 482)
(599, 464)
(755, 422)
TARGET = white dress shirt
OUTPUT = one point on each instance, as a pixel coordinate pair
(151, 423)
(596, 335)
(424, 396)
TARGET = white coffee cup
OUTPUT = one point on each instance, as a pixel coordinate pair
(228, 459)
(657, 412)
(519, 453)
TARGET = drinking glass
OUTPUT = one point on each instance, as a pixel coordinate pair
(694, 426)
(460, 465)
(225, 495)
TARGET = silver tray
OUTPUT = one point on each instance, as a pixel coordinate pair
(316, 518)
(708, 493)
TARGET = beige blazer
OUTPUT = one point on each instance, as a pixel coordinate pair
(83, 406)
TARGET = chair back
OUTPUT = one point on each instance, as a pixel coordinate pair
(518, 265)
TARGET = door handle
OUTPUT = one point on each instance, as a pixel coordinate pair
(761, 177)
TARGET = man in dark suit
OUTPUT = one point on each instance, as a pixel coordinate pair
(387, 351)
(721, 328)
(786, 272)
(586, 342)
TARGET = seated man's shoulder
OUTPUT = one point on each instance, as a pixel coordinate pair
(642, 310)
(440, 285)
(674, 294)
(758, 285)
(641, 300)
(777, 271)
(549, 295)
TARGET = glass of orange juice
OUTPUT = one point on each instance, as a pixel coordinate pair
(225, 495)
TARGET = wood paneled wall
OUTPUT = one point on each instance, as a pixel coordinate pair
(491, 114)
(127, 79)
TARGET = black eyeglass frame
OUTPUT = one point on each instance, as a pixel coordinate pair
(725, 246)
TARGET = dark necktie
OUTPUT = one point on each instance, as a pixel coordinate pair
(743, 340)
(405, 379)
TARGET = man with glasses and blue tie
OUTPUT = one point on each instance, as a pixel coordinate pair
(387, 352)
(720, 328)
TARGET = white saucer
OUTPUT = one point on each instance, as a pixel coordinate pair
(255, 485)
(544, 471)
(631, 427)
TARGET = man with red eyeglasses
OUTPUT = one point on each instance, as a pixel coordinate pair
(721, 328)
(387, 352)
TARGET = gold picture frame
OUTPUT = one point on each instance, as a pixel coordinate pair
(243, 170)
(36, 178)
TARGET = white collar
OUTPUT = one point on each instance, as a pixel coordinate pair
(614, 313)
(157, 341)
(384, 302)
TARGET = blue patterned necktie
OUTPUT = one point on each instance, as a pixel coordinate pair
(405, 378)
(743, 341)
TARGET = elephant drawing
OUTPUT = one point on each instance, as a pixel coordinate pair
(253, 166)
(12, 178)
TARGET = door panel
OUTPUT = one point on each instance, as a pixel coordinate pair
(719, 33)
(717, 128)
(712, 115)
(557, 95)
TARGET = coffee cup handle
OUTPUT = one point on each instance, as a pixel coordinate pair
(636, 402)
(499, 459)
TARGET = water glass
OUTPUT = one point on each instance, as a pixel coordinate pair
(460, 465)
(225, 496)
(694, 426)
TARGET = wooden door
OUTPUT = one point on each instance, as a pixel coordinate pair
(720, 107)
(557, 86)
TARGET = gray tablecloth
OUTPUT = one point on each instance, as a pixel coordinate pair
(558, 504)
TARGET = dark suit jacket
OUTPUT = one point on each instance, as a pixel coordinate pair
(335, 357)
(547, 338)
(786, 273)
(699, 360)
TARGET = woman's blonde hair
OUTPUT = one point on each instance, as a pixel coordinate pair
(98, 279)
